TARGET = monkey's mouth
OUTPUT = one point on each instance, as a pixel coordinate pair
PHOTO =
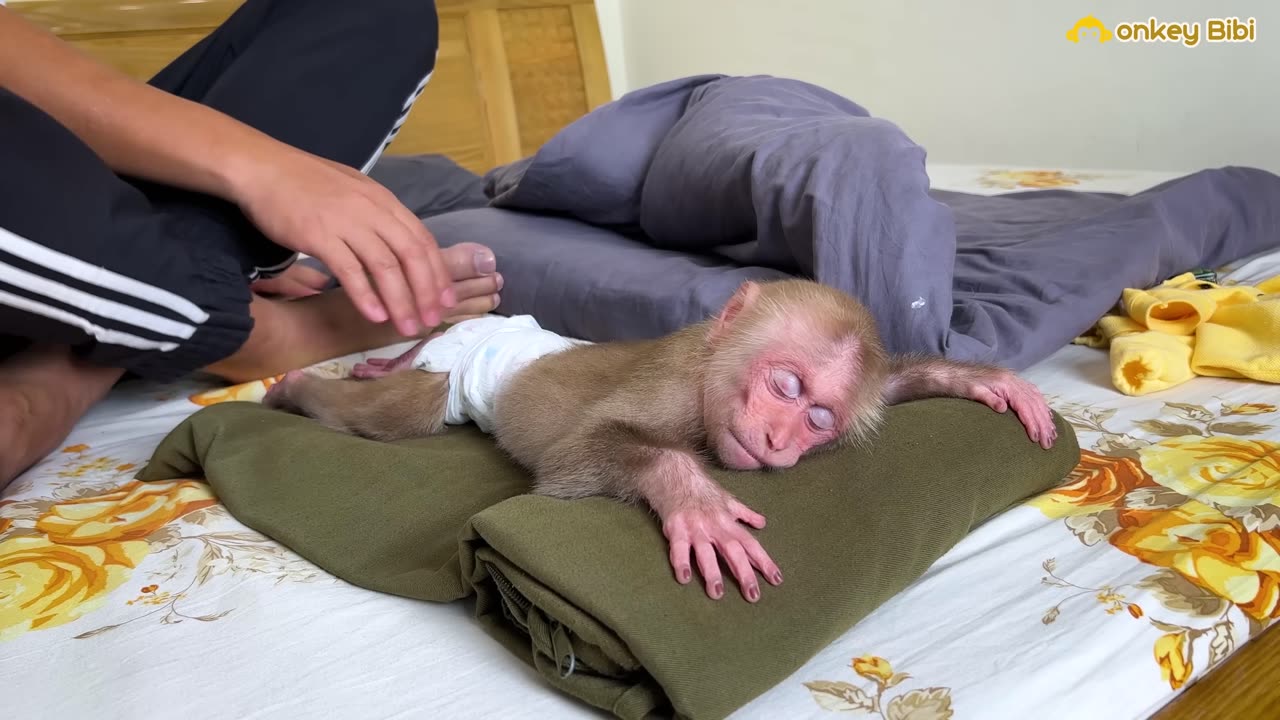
(735, 455)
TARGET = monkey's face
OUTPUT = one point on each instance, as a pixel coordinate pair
(793, 366)
(782, 405)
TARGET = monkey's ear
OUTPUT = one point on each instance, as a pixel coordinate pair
(743, 298)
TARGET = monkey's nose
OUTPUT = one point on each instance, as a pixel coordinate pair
(777, 438)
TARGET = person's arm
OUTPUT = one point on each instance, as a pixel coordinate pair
(300, 201)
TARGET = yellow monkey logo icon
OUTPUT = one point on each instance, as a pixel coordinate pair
(1088, 28)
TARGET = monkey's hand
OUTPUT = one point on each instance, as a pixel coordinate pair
(913, 377)
(1001, 390)
(707, 530)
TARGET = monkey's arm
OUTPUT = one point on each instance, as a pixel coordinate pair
(914, 377)
(697, 514)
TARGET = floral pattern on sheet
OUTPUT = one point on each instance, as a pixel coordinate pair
(97, 544)
(252, 391)
(1194, 491)
(1032, 179)
(929, 703)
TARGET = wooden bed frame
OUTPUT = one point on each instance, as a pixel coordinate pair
(509, 75)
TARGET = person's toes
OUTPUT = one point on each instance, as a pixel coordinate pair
(473, 308)
(468, 260)
(478, 287)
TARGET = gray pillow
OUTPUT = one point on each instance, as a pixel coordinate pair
(591, 282)
(430, 184)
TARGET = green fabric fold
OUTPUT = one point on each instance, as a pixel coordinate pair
(581, 589)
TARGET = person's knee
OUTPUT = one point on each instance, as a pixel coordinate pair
(405, 28)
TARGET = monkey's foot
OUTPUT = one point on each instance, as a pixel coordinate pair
(43, 393)
(277, 395)
(1010, 391)
(373, 368)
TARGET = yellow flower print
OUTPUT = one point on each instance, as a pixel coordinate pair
(43, 584)
(246, 392)
(131, 513)
(1248, 409)
(1175, 662)
(873, 668)
(1112, 599)
(1228, 472)
(1211, 550)
(878, 669)
(5, 524)
(1098, 482)
(1034, 179)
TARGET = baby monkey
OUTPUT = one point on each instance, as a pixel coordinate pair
(785, 368)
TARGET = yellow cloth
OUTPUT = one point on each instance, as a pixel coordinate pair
(1185, 327)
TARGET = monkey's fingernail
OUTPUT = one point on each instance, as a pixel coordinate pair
(777, 578)
(717, 590)
(753, 593)
(685, 574)
(485, 263)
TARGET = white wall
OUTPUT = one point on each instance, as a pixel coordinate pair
(987, 81)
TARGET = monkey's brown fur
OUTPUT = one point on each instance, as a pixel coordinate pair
(586, 420)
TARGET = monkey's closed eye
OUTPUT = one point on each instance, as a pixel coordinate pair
(787, 383)
(822, 418)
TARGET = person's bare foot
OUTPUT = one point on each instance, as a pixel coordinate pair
(44, 391)
(476, 281)
(292, 334)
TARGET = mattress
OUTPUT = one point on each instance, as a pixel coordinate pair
(1104, 598)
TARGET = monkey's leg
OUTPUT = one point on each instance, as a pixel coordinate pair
(395, 407)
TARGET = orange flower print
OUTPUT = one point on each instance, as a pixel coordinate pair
(244, 392)
(1208, 548)
(1098, 482)
(131, 513)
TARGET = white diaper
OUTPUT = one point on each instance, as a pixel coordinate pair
(481, 355)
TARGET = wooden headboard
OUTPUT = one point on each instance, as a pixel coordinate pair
(509, 74)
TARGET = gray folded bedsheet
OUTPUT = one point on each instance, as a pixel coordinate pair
(645, 214)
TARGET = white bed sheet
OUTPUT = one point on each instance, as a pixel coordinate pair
(168, 605)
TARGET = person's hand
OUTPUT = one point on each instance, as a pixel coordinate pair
(358, 228)
(297, 281)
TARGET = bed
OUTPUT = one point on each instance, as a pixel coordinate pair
(178, 608)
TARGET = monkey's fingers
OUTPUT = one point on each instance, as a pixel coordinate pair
(990, 398)
(743, 571)
(679, 556)
(746, 515)
(761, 560)
(365, 371)
(1036, 417)
(709, 566)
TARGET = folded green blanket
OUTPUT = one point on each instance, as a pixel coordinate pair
(582, 589)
